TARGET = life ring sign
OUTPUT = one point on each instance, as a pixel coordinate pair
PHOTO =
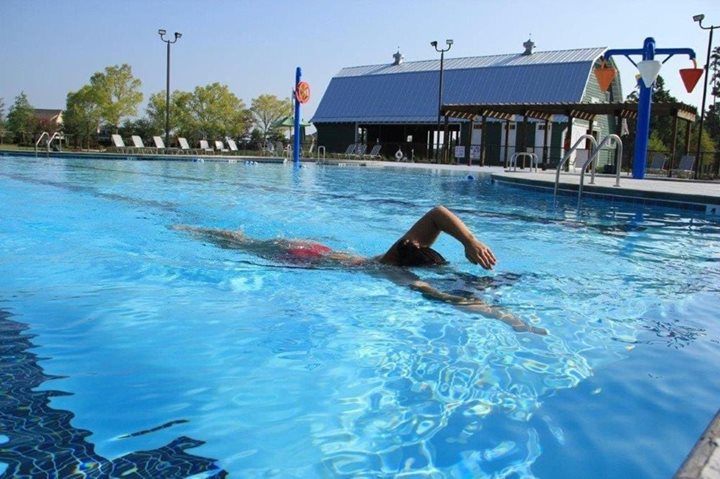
(302, 92)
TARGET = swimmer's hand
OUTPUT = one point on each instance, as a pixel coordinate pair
(477, 252)
(477, 305)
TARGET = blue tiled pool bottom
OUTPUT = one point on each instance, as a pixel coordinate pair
(38, 440)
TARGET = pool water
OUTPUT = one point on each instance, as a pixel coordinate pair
(145, 350)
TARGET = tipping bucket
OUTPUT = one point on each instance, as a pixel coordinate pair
(605, 76)
(690, 77)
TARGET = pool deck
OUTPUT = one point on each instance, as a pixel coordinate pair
(682, 193)
(703, 462)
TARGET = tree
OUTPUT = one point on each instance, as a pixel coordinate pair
(215, 112)
(117, 93)
(267, 109)
(180, 118)
(82, 116)
(2, 119)
(21, 118)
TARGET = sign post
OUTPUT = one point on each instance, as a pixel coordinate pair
(302, 96)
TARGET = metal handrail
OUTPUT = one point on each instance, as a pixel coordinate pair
(323, 151)
(44, 134)
(515, 156)
(592, 159)
(567, 157)
(57, 135)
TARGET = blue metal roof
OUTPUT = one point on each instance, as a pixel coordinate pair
(408, 93)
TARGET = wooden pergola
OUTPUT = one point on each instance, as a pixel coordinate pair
(581, 111)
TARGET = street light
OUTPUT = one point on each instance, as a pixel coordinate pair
(440, 90)
(162, 33)
(699, 19)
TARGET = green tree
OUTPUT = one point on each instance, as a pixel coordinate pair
(21, 118)
(2, 119)
(267, 109)
(82, 116)
(216, 112)
(181, 122)
(117, 92)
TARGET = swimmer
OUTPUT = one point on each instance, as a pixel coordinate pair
(413, 249)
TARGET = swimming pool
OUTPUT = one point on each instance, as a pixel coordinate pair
(131, 347)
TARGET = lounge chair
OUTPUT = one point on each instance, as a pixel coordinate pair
(657, 163)
(205, 147)
(350, 149)
(159, 144)
(360, 150)
(118, 144)
(139, 146)
(185, 146)
(220, 147)
(375, 152)
(232, 145)
(685, 168)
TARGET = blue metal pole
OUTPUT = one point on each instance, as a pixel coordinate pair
(296, 144)
(643, 121)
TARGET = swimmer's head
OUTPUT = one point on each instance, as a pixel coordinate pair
(410, 253)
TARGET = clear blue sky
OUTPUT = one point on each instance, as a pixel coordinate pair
(51, 47)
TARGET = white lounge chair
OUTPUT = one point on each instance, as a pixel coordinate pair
(139, 146)
(232, 145)
(205, 147)
(159, 143)
(118, 144)
(185, 146)
(220, 146)
(685, 168)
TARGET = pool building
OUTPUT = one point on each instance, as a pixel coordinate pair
(493, 106)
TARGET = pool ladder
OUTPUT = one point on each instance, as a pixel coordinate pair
(50, 138)
(610, 140)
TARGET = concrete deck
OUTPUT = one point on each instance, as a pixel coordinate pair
(703, 462)
(700, 195)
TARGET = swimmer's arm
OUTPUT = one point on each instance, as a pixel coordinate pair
(440, 219)
(476, 305)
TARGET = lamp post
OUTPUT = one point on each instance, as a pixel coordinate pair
(440, 90)
(178, 35)
(699, 19)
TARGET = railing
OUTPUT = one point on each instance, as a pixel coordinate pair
(569, 153)
(57, 135)
(45, 134)
(513, 161)
(323, 152)
(592, 160)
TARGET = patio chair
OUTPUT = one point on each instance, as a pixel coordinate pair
(350, 149)
(220, 147)
(205, 147)
(360, 150)
(375, 152)
(232, 145)
(685, 168)
(159, 143)
(139, 146)
(657, 163)
(185, 146)
(118, 144)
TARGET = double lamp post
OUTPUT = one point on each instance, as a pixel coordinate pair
(699, 19)
(442, 51)
(169, 42)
